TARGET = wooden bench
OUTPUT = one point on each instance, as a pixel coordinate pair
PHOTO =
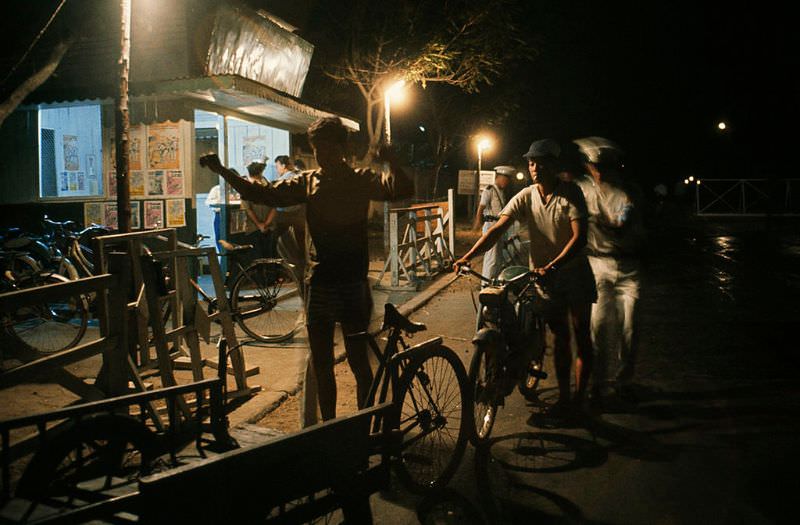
(292, 479)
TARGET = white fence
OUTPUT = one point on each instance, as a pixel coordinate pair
(747, 197)
(425, 246)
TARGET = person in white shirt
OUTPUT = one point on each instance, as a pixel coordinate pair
(615, 236)
(555, 212)
(493, 200)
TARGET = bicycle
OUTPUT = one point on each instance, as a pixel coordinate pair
(266, 298)
(429, 391)
(509, 345)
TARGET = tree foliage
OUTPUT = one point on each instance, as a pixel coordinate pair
(464, 44)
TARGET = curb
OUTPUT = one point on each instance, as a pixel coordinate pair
(262, 404)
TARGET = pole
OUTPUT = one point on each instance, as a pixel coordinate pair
(122, 122)
(388, 130)
(476, 196)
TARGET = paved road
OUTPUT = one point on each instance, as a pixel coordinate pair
(713, 437)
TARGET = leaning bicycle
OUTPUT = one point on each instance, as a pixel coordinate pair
(509, 345)
(427, 384)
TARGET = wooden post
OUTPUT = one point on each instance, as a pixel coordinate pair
(122, 122)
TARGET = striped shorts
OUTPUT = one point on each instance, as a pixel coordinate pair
(348, 303)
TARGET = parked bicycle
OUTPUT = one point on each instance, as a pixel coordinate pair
(265, 296)
(427, 384)
(509, 345)
(46, 327)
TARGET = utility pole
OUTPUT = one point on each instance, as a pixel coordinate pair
(122, 123)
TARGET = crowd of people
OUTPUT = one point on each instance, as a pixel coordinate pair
(583, 216)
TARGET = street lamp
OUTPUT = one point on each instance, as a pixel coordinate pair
(482, 143)
(722, 126)
(394, 91)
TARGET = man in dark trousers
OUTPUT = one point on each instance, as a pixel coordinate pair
(337, 204)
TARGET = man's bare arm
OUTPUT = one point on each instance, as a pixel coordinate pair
(575, 244)
(486, 241)
(286, 192)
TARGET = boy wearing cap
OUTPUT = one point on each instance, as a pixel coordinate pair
(493, 200)
(337, 203)
(556, 215)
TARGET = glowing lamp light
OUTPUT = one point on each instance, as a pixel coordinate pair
(520, 175)
(722, 126)
(395, 92)
(422, 129)
(484, 144)
(686, 181)
(691, 178)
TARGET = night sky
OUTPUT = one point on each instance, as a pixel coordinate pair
(654, 76)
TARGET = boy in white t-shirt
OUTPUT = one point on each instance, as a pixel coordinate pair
(555, 212)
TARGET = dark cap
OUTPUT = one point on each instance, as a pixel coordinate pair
(543, 148)
(507, 171)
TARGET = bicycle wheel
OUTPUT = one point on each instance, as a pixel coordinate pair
(535, 371)
(267, 302)
(53, 325)
(432, 415)
(97, 454)
(482, 383)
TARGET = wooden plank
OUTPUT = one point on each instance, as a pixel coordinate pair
(59, 359)
(228, 332)
(12, 301)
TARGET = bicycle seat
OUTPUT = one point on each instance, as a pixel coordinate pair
(393, 318)
(17, 243)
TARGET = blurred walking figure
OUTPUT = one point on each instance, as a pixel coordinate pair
(615, 237)
(493, 199)
(259, 215)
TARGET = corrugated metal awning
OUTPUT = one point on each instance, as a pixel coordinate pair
(228, 94)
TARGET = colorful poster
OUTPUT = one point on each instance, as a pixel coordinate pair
(155, 183)
(136, 142)
(135, 222)
(72, 160)
(81, 181)
(93, 213)
(254, 149)
(153, 214)
(175, 183)
(163, 146)
(91, 173)
(73, 181)
(63, 181)
(111, 215)
(112, 184)
(176, 213)
(137, 184)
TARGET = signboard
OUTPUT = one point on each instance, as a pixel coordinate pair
(466, 181)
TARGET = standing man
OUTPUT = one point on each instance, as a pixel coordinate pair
(616, 233)
(337, 201)
(556, 215)
(493, 200)
(290, 222)
(259, 217)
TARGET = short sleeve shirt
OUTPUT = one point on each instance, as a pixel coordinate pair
(608, 205)
(548, 223)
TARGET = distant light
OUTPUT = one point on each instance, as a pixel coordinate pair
(698, 182)
(484, 144)
(520, 175)
(395, 91)
(691, 178)
(422, 129)
(722, 126)
(686, 181)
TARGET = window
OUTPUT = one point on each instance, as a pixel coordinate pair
(70, 152)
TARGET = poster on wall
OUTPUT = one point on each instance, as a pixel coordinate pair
(72, 161)
(163, 146)
(93, 213)
(110, 220)
(155, 182)
(63, 181)
(254, 149)
(176, 213)
(73, 181)
(81, 180)
(153, 214)
(238, 221)
(112, 183)
(91, 173)
(137, 184)
(175, 183)
(136, 135)
(135, 222)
